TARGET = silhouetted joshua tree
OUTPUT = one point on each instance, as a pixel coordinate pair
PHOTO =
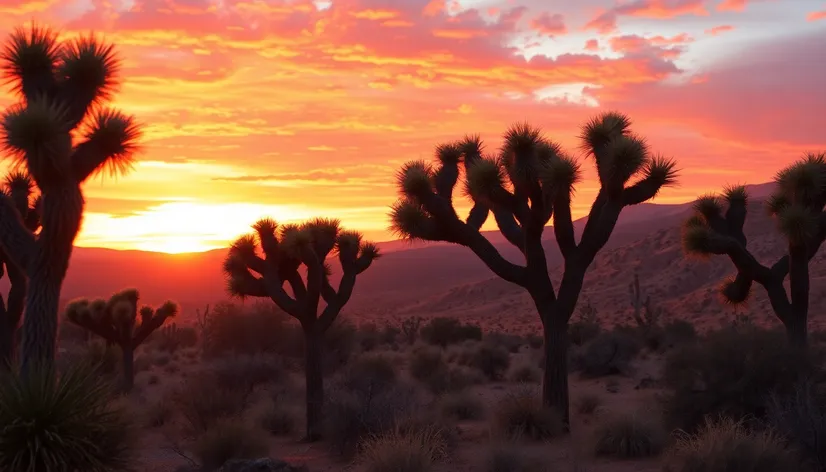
(283, 250)
(531, 181)
(119, 322)
(61, 134)
(798, 207)
(20, 189)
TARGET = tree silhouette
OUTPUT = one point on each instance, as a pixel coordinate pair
(797, 205)
(61, 133)
(531, 181)
(20, 189)
(285, 250)
(116, 320)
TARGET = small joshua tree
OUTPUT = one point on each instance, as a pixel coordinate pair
(120, 322)
(62, 134)
(20, 189)
(530, 182)
(798, 207)
(283, 251)
(646, 315)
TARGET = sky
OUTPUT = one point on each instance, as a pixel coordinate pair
(299, 108)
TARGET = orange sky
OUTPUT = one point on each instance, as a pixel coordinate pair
(296, 108)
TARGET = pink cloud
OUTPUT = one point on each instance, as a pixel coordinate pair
(549, 24)
(606, 20)
(717, 30)
(732, 5)
(816, 15)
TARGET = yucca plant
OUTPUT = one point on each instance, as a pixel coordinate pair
(797, 205)
(61, 133)
(64, 423)
(20, 189)
(117, 321)
(260, 264)
(528, 184)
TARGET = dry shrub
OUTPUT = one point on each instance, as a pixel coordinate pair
(278, 420)
(462, 405)
(588, 403)
(510, 457)
(202, 404)
(493, 361)
(521, 415)
(403, 451)
(630, 436)
(246, 372)
(159, 413)
(226, 441)
(443, 331)
(726, 445)
(369, 372)
(609, 353)
(525, 373)
(425, 360)
(801, 418)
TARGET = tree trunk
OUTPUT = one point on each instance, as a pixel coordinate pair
(7, 342)
(314, 383)
(797, 331)
(40, 323)
(555, 378)
(128, 368)
(797, 320)
(10, 324)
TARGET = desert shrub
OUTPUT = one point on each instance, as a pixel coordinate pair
(159, 413)
(609, 353)
(801, 418)
(245, 372)
(535, 341)
(278, 420)
(106, 359)
(511, 342)
(62, 423)
(588, 403)
(462, 405)
(201, 403)
(678, 332)
(250, 330)
(443, 331)
(582, 332)
(525, 373)
(368, 373)
(509, 457)
(424, 360)
(349, 416)
(171, 338)
(725, 445)
(629, 436)
(400, 451)
(493, 361)
(226, 441)
(369, 336)
(521, 415)
(340, 341)
(161, 360)
(731, 372)
(452, 378)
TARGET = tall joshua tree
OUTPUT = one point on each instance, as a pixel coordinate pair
(798, 207)
(117, 321)
(530, 182)
(62, 134)
(19, 188)
(283, 252)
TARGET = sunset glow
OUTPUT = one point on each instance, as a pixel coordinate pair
(298, 108)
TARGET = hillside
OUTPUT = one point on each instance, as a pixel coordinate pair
(441, 279)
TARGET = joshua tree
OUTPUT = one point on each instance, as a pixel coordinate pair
(116, 320)
(645, 313)
(530, 182)
(19, 188)
(282, 253)
(797, 205)
(62, 134)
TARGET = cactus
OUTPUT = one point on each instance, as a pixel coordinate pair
(202, 320)
(797, 206)
(646, 315)
(260, 264)
(20, 189)
(119, 322)
(410, 328)
(61, 133)
(531, 182)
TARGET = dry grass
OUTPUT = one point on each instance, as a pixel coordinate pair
(630, 435)
(463, 405)
(588, 403)
(403, 451)
(521, 415)
(229, 440)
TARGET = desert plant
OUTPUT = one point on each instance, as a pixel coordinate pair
(202, 322)
(586, 326)
(528, 184)
(402, 451)
(443, 331)
(525, 373)
(630, 435)
(171, 337)
(730, 372)
(61, 133)
(522, 415)
(609, 353)
(285, 251)
(462, 405)
(646, 315)
(62, 423)
(798, 206)
(725, 444)
(228, 440)
(588, 403)
(492, 360)
(120, 322)
(801, 417)
(21, 190)
(410, 328)
(277, 420)
(369, 373)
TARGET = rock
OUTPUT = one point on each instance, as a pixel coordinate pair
(261, 465)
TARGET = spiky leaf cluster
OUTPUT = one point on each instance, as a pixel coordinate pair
(63, 86)
(263, 263)
(799, 198)
(119, 319)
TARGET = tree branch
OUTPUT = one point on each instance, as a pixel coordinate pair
(564, 225)
(18, 242)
